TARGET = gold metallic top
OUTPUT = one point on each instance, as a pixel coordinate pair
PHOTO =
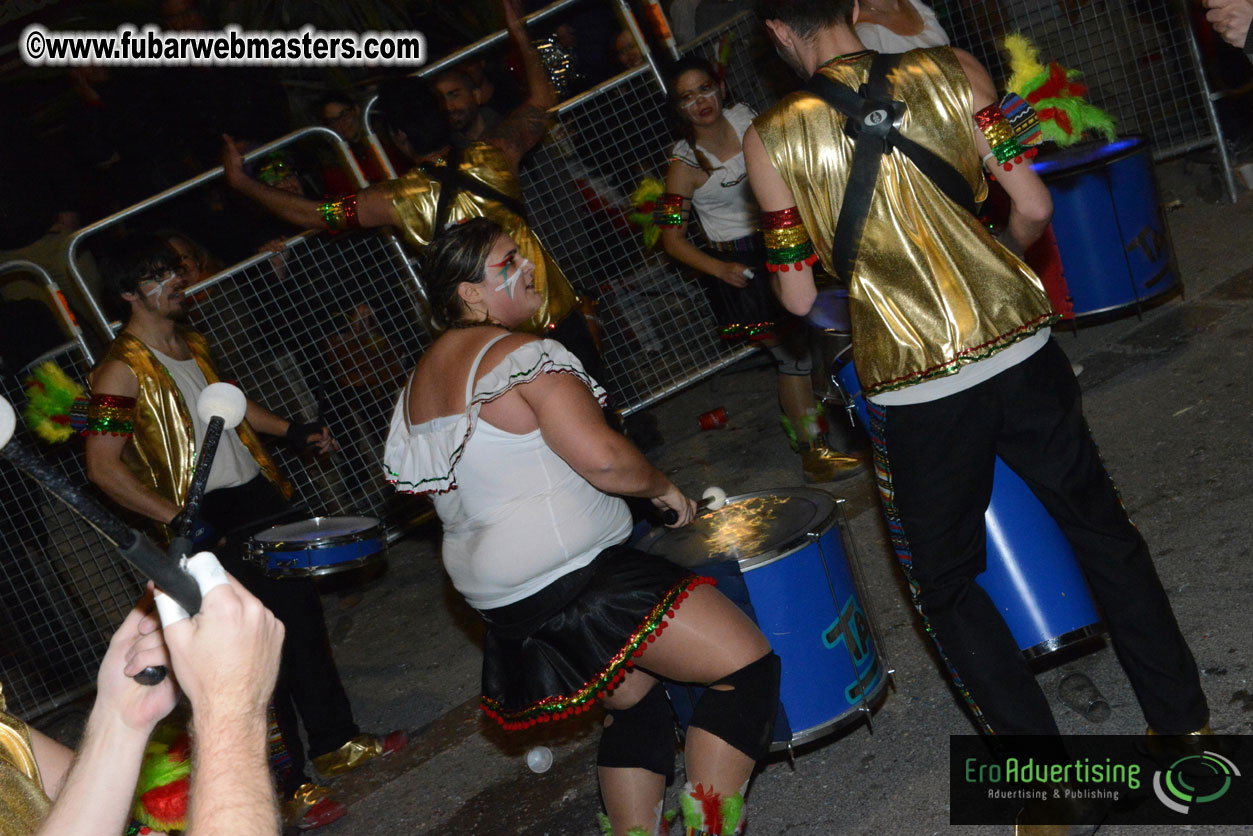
(415, 197)
(23, 804)
(931, 290)
(162, 452)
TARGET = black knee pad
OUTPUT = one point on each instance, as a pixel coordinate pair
(743, 715)
(640, 737)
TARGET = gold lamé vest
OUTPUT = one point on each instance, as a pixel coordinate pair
(932, 290)
(23, 804)
(162, 452)
(415, 197)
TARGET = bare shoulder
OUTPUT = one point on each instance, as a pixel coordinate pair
(113, 377)
(681, 178)
(981, 83)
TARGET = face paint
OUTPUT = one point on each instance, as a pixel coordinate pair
(159, 286)
(512, 279)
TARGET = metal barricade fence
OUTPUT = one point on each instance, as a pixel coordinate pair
(658, 332)
(1139, 59)
(63, 590)
(325, 329)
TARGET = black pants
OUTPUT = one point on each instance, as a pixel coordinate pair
(307, 681)
(935, 463)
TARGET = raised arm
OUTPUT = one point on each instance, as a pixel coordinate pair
(369, 208)
(105, 468)
(522, 129)
(1031, 205)
(795, 287)
(680, 183)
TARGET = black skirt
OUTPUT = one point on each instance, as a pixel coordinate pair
(555, 653)
(752, 312)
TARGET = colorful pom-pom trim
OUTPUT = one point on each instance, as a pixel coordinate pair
(787, 242)
(603, 684)
(668, 210)
(1001, 137)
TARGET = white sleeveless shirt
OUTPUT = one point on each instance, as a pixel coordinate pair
(516, 516)
(724, 203)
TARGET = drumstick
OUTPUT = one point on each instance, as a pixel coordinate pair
(222, 407)
(711, 500)
(133, 546)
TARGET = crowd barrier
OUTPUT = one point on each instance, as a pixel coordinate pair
(325, 327)
(1139, 59)
(63, 590)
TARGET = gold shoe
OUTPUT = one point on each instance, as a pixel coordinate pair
(1166, 748)
(820, 463)
(357, 751)
(311, 807)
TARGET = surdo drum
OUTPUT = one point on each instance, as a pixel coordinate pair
(319, 546)
(779, 556)
(1032, 574)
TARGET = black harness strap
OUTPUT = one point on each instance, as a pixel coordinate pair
(453, 180)
(872, 119)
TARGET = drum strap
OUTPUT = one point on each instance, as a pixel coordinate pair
(872, 120)
(452, 180)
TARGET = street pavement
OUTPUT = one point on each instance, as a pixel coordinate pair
(1168, 397)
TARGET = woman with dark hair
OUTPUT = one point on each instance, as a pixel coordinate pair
(707, 174)
(504, 430)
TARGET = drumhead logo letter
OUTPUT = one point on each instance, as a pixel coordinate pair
(853, 631)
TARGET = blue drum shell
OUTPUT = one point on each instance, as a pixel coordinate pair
(1113, 241)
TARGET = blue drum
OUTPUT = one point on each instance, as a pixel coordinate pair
(780, 557)
(1032, 574)
(1113, 241)
(319, 546)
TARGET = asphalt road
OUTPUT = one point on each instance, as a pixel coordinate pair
(1168, 397)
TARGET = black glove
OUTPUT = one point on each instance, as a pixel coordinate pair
(298, 435)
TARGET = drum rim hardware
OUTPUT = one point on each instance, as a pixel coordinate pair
(267, 554)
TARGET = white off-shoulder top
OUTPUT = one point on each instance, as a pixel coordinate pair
(516, 516)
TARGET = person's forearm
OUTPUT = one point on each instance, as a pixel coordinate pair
(293, 208)
(676, 245)
(231, 790)
(539, 87)
(121, 486)
(264, 421)
(96, 796)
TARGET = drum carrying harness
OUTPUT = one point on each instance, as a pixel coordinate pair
(872, 121)
(452, 180)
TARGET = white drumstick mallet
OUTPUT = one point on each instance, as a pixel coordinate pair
(711, 500)
(222, 400)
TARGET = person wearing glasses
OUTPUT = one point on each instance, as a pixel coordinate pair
(342, 115)
(707, 175)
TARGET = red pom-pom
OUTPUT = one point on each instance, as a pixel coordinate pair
(783, 268)
(167, 805)
(1008, 166)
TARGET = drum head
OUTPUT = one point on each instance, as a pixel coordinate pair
(753, 528)
(316, 530)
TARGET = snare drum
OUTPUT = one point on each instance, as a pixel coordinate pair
(320, 546)
(1032, 574)
(784, 551)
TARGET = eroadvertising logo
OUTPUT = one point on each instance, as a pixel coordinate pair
(1194, 780)
(1100, 779)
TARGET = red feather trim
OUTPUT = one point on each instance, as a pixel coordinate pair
(167, 805)
(711, 807)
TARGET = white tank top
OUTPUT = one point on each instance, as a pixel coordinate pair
(882, 39)
(233, 465)
(724, 203)
(516, 516)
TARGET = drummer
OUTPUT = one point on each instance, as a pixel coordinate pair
(951, 337)
(505, 431)
(142, 431)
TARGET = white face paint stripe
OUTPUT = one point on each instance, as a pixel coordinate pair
(156, 291)
(512, 279)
